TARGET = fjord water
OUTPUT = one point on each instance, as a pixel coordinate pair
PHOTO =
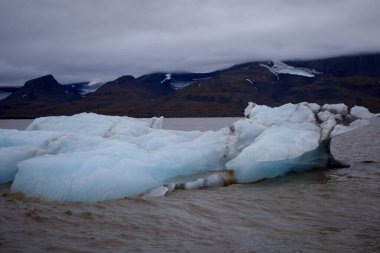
(335, 210)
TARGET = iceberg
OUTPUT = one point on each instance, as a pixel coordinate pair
(89, 157)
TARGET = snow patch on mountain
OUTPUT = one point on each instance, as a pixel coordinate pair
(178, 85)
(279, 67)
(168, 77)
(252, 82)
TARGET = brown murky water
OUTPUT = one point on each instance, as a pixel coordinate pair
(335, 210)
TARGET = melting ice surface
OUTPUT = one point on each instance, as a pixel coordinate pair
(89, 157)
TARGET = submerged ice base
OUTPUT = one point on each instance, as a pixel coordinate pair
(89, 157)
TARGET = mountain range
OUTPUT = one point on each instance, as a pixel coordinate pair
(353, 80)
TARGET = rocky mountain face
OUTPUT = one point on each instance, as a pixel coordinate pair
(351, 80)
(35, 95)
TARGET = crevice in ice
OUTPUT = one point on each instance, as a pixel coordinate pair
(332, 161)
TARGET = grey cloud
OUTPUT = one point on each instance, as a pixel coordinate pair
(101, 40)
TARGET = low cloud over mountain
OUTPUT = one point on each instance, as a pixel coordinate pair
(100, 40)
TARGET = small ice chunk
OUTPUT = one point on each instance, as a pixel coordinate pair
(325, 116)
(214, 180)
(336, 108)
(361, 112)
(314, 107)
(249, 108)
(170, 186)
(196, 184)
(156, 192)
(340, 129)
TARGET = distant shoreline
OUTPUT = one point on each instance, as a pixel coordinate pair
(19, 124)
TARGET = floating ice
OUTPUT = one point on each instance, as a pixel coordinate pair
(89, 157)
(156, 192)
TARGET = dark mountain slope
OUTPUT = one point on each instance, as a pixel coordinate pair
(228, 93)
(356, 65)
(36, 95)
(114, 98)
(9, 89)
(351, 80)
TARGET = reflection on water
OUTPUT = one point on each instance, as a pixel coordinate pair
(336, 210)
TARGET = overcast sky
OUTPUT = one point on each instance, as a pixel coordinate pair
(94, 40)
